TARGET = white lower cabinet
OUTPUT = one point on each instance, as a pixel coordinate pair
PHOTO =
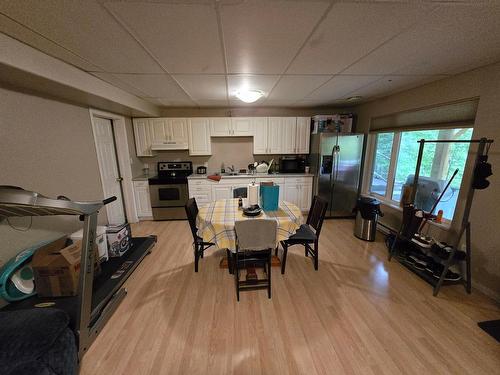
(296, 190)
(142, 199)
(222, 192)
(299, 192)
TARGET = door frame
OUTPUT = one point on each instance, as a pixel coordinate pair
(123, 159)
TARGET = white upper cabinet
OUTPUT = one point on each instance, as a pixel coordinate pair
(177, 131)
(303, 134)
(220, 127)
(241, 126)
(143, 137)
(231, 126)
(285, 135)
(274, 135)
(199, 136)
(260, 136)
(289, 135)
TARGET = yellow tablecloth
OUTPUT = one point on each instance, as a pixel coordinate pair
(215, 221)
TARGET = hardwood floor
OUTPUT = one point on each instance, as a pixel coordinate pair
(359, 314)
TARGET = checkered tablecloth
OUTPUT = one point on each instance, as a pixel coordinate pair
(215, 221)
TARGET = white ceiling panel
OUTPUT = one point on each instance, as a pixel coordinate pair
(454, 38)
(263, 36)
(292, 88)
(393, 83)
(263, 83)
(155, 85)
(183, 37)
(85, 28)
(203, 87)
(115, 81)
(165, 102)
(339, 86)
(212, 103)
(27, 36)
(352, 30)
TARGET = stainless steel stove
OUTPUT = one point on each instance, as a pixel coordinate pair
(169, 191)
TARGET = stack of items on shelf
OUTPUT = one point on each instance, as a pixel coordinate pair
(425, 254)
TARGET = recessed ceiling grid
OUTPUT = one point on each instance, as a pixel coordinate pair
(300, 53)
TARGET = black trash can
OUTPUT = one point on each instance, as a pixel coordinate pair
(367, 212)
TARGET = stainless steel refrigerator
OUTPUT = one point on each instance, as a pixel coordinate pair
(336, 160)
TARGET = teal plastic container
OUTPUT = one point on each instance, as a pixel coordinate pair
(269, 197)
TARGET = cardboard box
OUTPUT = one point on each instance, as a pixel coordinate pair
(56, 268)
(119, 239)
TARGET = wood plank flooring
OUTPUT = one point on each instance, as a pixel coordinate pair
(359, 314)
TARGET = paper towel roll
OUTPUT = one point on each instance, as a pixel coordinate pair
(253, 194)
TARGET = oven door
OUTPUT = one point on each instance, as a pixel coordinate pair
(174, 195)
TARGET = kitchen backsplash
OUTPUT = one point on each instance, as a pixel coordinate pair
(237, 151)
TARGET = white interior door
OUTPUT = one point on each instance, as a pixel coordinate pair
(108, 167)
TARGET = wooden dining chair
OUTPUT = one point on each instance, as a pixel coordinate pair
(240, 192)
(255, 240)
(308, 233)
(199, 245)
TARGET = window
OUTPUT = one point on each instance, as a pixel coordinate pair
(395, 159)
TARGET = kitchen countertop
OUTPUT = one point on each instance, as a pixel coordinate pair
(257, 175)
(143, 177)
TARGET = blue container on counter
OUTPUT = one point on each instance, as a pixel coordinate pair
(269, 197)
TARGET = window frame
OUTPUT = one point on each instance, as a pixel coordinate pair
(387, 197)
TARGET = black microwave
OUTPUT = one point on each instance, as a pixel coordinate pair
(292, 165)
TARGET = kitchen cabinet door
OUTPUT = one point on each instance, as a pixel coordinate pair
(289, 135)
(305, 196)
(160, 129)
(303, 135)
(220, 127)
(260, 131)
(142, 199)
(178, 131)
(199, 136)
(274, 135)
(222, 192)
(292, 194)
(143, 137)
(241, 126)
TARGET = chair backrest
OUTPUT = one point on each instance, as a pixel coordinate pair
(317, 214)
(191, 213)
(256, 234)
(240, 192)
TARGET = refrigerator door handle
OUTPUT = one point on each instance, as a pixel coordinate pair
(332, 170)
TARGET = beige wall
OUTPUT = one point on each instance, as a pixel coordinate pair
(48, 147)
(485, 217)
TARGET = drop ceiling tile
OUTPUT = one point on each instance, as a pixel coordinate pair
(25, 35)
(293, 88)
(86, 29)
(115, 81)
(278, 103)
(393, 83)
(452, 39)
(340, 86)
(263, 83)
(212, 103)
(155, 85)
(350, 31)
(165, 102)
(203, 87)
(183, 37)
(263, 36)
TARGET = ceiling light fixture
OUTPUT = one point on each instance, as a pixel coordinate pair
(249, 96)
(354, 99)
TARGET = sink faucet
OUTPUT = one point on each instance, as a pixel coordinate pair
(231, 168)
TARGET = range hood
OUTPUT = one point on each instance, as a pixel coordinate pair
(168, 145)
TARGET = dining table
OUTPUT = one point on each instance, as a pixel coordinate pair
(216, 221)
